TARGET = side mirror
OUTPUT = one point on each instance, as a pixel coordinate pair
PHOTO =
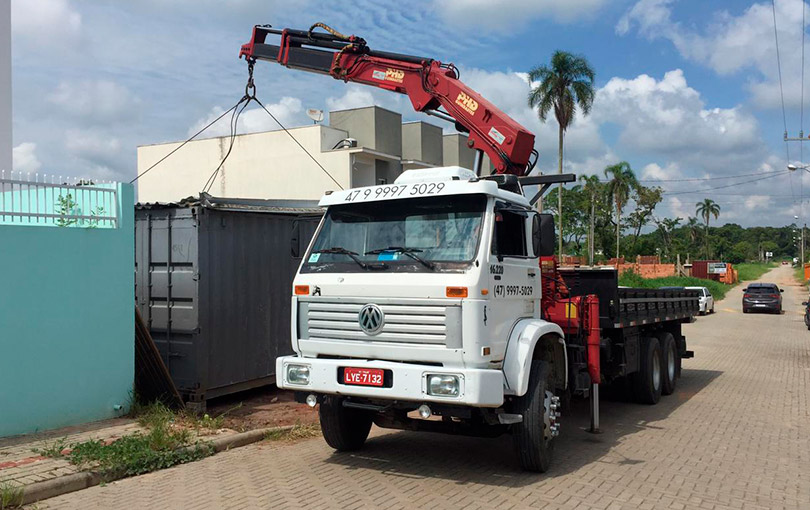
(537, 236)
(781, 290)
(804, 303)
(745, 289)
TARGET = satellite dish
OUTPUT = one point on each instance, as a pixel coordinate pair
(315, 114)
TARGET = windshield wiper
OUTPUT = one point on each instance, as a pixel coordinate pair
(410, 252)
(339, 250)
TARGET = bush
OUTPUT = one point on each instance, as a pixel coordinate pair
(631, 279)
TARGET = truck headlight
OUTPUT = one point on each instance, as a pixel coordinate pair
(443, 385)
(298, 374)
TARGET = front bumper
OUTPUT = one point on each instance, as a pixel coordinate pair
(478, 387)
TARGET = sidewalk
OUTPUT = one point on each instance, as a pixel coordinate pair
(21, 466)
(28, 462)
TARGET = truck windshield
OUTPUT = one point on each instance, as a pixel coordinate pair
(408, 233)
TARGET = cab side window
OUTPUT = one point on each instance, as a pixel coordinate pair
(510, 235)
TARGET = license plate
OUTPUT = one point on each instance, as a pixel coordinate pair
(363, 376)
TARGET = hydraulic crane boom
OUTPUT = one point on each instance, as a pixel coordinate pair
(432, 87)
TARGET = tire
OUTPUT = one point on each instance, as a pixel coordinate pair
(344, 429)
(647, 381)
(669, 365)
(745, 310)
(531, 445)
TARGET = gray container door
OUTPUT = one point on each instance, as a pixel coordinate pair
(166, 288)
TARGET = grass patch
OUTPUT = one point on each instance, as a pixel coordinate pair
(167, 441)
(139, 453)
(52, 450)
(631, 279)
(752, 270)
(298, 431)
(11, 495)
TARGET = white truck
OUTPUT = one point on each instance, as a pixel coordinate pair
(435, 303)
(418, 306)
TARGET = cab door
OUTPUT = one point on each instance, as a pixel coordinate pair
(514, 275)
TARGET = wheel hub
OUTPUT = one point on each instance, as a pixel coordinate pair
(551, 415)
(671, 363)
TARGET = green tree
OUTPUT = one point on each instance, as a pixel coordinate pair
(621, 181)
(564, 85)
(706, 210)
(646, 199)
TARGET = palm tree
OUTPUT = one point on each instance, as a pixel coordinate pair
(592, 188)
(693, 228)
(706, 209)
(622, 181)
(564, 85)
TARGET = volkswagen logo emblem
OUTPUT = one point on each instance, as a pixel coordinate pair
(371, 319)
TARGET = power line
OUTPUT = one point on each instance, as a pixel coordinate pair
(725, 186)
(779, 68)
(691, 179)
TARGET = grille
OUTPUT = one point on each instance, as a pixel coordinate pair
(417, 322)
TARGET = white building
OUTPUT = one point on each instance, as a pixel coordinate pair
(5, 86)
(359, 147)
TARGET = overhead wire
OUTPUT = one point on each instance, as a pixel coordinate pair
(726, 185)
(779, 68)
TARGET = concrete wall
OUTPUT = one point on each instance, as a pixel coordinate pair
(457, 153)
(66, 323)
(373, 127)
(261, 165)
(5, 86)
(422, 142)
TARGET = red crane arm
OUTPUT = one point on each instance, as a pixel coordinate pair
(432, 87)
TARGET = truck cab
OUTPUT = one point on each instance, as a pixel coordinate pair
(417, 305)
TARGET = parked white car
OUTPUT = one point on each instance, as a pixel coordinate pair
(706, 300)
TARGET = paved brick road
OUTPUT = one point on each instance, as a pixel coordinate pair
(735, 435)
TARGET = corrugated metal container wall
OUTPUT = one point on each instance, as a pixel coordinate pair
(214, 287)
(700, 269)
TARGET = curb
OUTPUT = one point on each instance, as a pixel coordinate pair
(77, 481)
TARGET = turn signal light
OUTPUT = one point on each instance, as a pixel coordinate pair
(457, 292)
(302, 290)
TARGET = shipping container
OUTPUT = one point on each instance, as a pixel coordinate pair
(213, 283)
(700, 269)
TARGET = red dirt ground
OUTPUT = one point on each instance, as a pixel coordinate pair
(259, 408)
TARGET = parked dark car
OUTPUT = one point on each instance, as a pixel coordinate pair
(762, 296)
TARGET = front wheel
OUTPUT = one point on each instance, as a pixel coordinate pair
(344, 429)
(533, 437)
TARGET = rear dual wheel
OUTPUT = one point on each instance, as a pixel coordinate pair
(648, 380)
(670, 362)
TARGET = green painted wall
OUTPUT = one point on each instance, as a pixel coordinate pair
(66, 323)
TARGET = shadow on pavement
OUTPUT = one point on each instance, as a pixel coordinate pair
(493, 462)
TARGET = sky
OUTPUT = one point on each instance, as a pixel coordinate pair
(686, 89)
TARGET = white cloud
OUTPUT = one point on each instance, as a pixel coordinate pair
(355, 97)
(289, 111)
(497, 16)
(667, 116)
(93, 145)
(25, 158)
(728, 43)
(657, 172)
(45, 23)
(95, 101)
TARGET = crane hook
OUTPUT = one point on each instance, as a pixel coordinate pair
(250, 87)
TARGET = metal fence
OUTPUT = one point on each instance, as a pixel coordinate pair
(50, 200)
